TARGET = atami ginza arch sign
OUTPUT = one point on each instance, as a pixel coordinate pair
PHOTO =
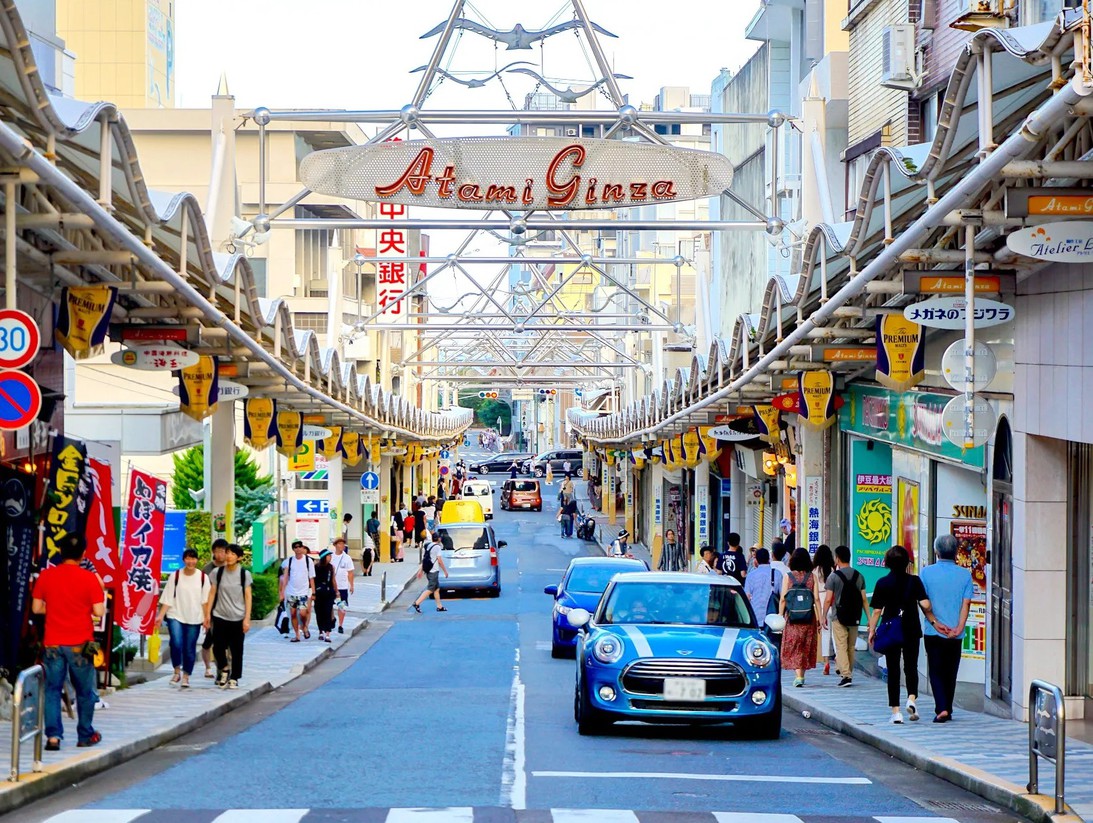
(521, 173)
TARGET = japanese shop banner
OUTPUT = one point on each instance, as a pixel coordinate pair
(102, 540)
(199, 389)
(330, 447)
(258, 417)
(816, 403)
(290, 432)
(83, 318)
(155, 357)
(901, 352)
(19, 536)
(351, 448)
(870, 508)
(142, 555)
(708, 443)
(767, 418)
(951, 313)
(67, 497)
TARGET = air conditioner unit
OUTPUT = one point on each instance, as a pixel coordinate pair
(974, 15)
(898, 57)
(570, 132)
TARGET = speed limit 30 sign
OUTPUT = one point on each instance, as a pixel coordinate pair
(19, 338)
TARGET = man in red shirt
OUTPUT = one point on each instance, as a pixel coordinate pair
(71, 598)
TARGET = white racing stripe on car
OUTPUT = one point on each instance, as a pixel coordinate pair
(728, 642)
(641, 644)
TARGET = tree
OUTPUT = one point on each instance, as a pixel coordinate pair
(489, 413)
(189, 476)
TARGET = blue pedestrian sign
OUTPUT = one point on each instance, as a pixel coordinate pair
(370, 481)
(312, 505)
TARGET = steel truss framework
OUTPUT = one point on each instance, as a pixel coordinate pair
(936, 207)
(531, 337)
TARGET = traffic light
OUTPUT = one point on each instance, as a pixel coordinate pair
(547, 392)
(487, 395)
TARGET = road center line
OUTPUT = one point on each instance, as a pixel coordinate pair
(725, 778)
(514, 780)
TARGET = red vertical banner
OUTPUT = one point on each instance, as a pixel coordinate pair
(142, 556)
(102, 539)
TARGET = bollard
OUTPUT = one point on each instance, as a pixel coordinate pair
(28, 716)
(383, 587)
(1047, 737)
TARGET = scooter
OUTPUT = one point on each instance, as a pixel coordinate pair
(586, 527)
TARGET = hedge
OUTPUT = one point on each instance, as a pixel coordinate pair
(265, 593)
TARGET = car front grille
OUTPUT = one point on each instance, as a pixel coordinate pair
(723, 678)
(682, 706)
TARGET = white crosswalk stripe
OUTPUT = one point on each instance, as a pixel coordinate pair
(748, 817)
(98, 816)
(261, 816)
(463, 814)
(593, 816)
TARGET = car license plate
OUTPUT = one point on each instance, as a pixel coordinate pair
(525, 505)
(461, 563)
(686, 689)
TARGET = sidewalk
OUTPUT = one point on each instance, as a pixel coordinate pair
(984, 754)
(151, 714)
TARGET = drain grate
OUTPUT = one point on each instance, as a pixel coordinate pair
(958, 806)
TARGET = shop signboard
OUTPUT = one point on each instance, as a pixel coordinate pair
(928, 282)
(161, 357)
(908, 419)
(1068, 241)
(814, 502)
(870, 508)
(907, 512)
(951, 313)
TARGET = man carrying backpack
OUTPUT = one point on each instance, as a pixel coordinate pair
(432, 564)
(846, 592)
(227, 611)
(298, 588)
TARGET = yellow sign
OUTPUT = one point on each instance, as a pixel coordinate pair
(331, 447)
(875, 521)
(766, 418)
(83, 319)
(290, 432)
(849, 354)
(901, 352)
(304, 459)
(1060, 205)
(314, 419)
(199, 388)
(709, 444)
(258, 414)
(817, 398)
(691, 446)
(351, 448)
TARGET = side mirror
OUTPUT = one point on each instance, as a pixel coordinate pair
(775, 623)
(502, 543)
(551, 590)
(578, 618)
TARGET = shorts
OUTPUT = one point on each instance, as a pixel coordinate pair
(343, 599)
(297, 601)
(432, 581)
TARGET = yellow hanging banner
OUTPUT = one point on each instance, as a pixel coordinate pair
(767, 418)
(901, 352)
(817, 398)
(691, 448)
(710, 449)
(290, 433)
(258, 429)
(83, 318)
(199, 388)
(331, 447)
(351, 448)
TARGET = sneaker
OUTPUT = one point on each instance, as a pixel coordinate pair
(233, 684)
(846, 681)
(798, 682)
(897, 719)
(341, 630)
(912, 712)
(222, 682)
(94, 740)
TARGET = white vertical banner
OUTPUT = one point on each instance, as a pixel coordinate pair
(658, 496)
(702, 506)
(813, 512)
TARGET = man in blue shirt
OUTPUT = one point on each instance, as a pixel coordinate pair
(949, 588)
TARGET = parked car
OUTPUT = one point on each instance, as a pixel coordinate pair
(557, 459)
(482, 491)
(521, 494)
(500, 463)
(469, 548)
(667, 647)
(582, 585)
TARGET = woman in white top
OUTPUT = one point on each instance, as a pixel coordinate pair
(823, 566)
(182, 603)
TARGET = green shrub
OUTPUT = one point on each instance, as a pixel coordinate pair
(265, 594)
(199, 529)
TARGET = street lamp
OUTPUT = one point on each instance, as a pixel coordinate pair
(359, 260)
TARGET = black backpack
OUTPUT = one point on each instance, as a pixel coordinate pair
(427, 558)
(800, 602)
(848, 609)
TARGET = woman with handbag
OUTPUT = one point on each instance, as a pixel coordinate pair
(896, 601)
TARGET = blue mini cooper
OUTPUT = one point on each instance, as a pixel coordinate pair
(581, 588)
(676, 648)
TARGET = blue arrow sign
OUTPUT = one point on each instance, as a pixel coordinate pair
(370, 481)
(445, 454)
(312, 505)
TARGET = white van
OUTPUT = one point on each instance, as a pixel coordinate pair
(482, 491)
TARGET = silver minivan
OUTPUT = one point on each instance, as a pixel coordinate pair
(470, 553)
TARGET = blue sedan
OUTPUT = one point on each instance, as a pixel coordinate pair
(581, 587)
(676, 648)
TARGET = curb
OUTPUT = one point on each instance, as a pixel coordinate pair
(1036, 807)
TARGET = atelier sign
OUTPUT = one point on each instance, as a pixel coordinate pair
(1063, 242)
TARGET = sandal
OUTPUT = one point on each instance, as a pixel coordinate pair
(94, 740)
(294, 640)
(307, 635)
(53, 744)
(176, 679)
(441, 609)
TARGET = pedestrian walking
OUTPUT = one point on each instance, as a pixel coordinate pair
(789, 535)
(326, 595)
(778, 554)
(71, 598)
(347, 524)
(430, 514)
(949, 590)
(298, 589)
(514, 470)
(219, 558)
(707, 561)
(343, 567)
(823, 565)
(228, 612)
(549, 474)
(669, 553)
(569, 516)
(432, 564)
(595, 496)
(763, 586)
(407, 531)
(397, 534)
(732, 561)
(182, 607)
(368, 555)
(419, 527)
(618, 546)
(568, 489)
(801, 610)
(844, 603)
(894, 630)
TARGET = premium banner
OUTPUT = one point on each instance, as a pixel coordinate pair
(901, 352)
(102, 539)
(199, 388)
(331, 447)
(351, 448)
(816, 404)
(767, 420)
(19, 536)
(708, 443)
(67, 497)
(142, 556)
(259, 414)
(83, 317)
(290, 432)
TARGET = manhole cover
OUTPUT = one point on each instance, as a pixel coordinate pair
(958, 806)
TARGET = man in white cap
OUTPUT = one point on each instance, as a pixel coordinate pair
(789, 538)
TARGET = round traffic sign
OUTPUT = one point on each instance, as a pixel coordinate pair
(953, 421)
(954, 371)
(20, 399)
(19, 338)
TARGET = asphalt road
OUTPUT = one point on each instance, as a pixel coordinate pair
(466, 713)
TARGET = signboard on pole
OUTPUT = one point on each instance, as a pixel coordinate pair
(20, 400)
(20, 338)
(950, 313)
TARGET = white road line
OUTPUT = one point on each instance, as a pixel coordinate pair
(915, 820)
(514, 781)
(726, 778)
(261, 816)
(748, 817)
(462, 814)
(98, 816)
(593, 816)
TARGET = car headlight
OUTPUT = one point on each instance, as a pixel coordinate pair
(564, 609)
(758, 653)
(607, 649)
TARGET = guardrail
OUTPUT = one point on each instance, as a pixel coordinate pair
(1047, 737)
(28, 716)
